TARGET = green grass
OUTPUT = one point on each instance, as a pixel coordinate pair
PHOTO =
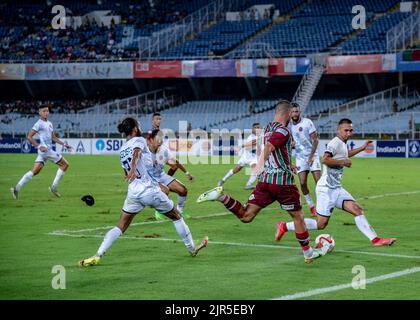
(142, 268)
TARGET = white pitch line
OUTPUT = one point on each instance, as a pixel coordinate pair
(315, 292)
(218, 214)
(239, 244)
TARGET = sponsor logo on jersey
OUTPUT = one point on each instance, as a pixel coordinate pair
(287, 207)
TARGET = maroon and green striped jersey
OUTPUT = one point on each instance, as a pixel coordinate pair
(277, 168)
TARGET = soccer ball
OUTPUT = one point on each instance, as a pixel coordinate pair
(325, 239)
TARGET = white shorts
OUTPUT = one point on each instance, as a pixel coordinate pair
(327, 199)
(151, 197)
(48, 155)
(302, 165)
(165, 179)
(247, 159)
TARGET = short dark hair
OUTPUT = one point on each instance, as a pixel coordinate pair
(42, 106)
(344, 120)
(156, 114)
(153, 133)
(255, 124)
(127, 125)
(295, 105)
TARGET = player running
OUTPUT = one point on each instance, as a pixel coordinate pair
(143, 190)
(45, 131)
(161, 155)
(276, 182)
(329, 192)
(307, 159)
(248, 158)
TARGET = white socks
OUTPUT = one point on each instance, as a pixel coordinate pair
(181, 203)
(185, 234)
(308, 199)
(251, 180)
(310, 224)
(228, 175)
(26, 177)
(57, 178)
(364, 227)
(110, 237)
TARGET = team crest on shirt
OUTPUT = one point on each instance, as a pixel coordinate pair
(251, 197)
(300, 129)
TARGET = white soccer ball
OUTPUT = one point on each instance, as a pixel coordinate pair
(325, 239)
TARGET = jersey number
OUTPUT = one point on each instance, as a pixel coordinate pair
(126, 163)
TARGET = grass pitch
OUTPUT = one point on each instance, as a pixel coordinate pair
(242, 261)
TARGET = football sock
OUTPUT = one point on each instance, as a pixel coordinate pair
(181, 203)
(228, 175)
(303, 239)
(58, 177)
(232, 205)
(364, 227)
(26, 177)
(308, 199)
(310, 224)
(110, 237)
(251, 180)
(185, 234)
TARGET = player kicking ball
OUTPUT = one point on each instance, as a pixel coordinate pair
(45, 131)
(161, 155)
(329, 192)
(143, 191)
(276, 183)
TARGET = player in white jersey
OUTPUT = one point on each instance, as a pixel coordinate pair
(329, 192)
(307, 159)
(143, 190)
(45, 131)
(161, 156)
(248, 153)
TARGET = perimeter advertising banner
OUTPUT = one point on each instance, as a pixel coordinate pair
(17, 145)
(287, 66)
(79, 146)
(158, 69)
(79, 71)
(354, 64)
(12, 71)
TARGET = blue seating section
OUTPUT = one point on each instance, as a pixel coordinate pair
(218, 39)
(305, 34)
(373, 38)
(333, 7)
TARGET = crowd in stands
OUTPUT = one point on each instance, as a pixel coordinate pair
(56, 106)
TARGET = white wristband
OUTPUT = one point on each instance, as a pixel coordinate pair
(187, 173)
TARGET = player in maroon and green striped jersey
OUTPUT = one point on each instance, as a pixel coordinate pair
(276, 182)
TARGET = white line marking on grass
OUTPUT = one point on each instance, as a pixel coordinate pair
(315, 292)
(239, 244)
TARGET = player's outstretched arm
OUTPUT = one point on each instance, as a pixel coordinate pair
(355, 151)
(56, 140)
(179, 165)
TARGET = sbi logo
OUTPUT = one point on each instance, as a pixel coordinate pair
(109, 145)
(100, 145)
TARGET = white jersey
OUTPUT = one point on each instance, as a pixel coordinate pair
(331, 176)
(302, 135)
(44, 130)
(144, 164)
(252, 150)
(159, 159)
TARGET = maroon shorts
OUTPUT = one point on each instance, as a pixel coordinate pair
(266, 193)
